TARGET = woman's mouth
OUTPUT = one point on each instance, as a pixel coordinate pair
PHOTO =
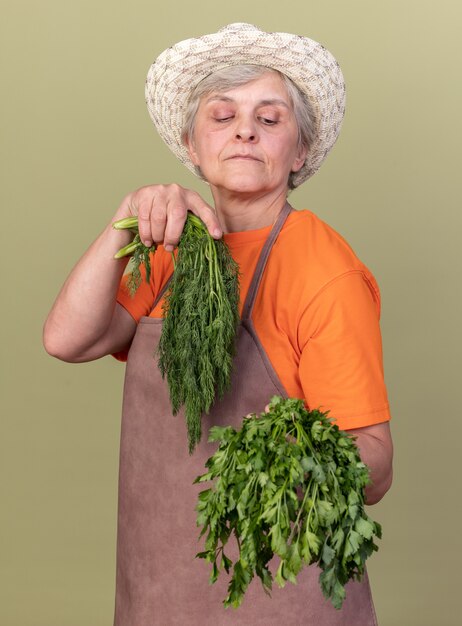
(245, 157)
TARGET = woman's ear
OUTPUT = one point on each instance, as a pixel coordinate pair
(189, 145)
(300, 158)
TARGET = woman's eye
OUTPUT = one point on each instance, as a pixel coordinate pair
(223, 119)
(268, 121)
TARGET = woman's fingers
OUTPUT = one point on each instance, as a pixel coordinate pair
(266, 410)
(162, 212)
(178, 202)
(152, 213)
(205, 212)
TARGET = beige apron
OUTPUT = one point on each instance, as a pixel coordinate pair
(159, 580)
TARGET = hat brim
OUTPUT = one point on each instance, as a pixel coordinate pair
(176, 72)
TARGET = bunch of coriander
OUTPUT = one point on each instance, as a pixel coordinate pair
(258, 472)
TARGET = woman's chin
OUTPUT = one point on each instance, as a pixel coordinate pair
(242, 184)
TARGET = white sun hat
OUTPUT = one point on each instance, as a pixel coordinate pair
(314, 70)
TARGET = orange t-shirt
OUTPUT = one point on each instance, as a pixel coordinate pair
(316, 314)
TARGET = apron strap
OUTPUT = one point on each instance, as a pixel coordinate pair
(263, 258)
(162, 291)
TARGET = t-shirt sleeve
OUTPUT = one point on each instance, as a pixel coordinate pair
(141, 302)
(341, 364)
(138, 305)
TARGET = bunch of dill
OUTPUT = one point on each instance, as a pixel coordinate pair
(139, 253)
(201, 316)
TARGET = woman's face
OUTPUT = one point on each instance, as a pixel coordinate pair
(246, 139)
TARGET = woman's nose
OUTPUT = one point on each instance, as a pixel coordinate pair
(245, 135)
(246, 130)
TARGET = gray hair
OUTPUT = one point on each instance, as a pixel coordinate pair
(237, 75)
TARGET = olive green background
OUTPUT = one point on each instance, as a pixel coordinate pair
(76, 137)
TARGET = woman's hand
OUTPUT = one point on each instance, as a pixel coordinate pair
(85, 322)
(162, 211)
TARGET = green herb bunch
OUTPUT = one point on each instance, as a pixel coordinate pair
(201, 315)
(140, 254)
(259, 472)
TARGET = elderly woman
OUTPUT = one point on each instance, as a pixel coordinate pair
(254, 114)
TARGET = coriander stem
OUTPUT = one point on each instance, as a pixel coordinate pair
(279, 505)
(300, 511)
(308, 442)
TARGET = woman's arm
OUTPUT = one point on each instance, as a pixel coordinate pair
(85, 322)
(376, 451)
(342, 365)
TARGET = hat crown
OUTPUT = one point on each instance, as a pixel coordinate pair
(238, 26)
